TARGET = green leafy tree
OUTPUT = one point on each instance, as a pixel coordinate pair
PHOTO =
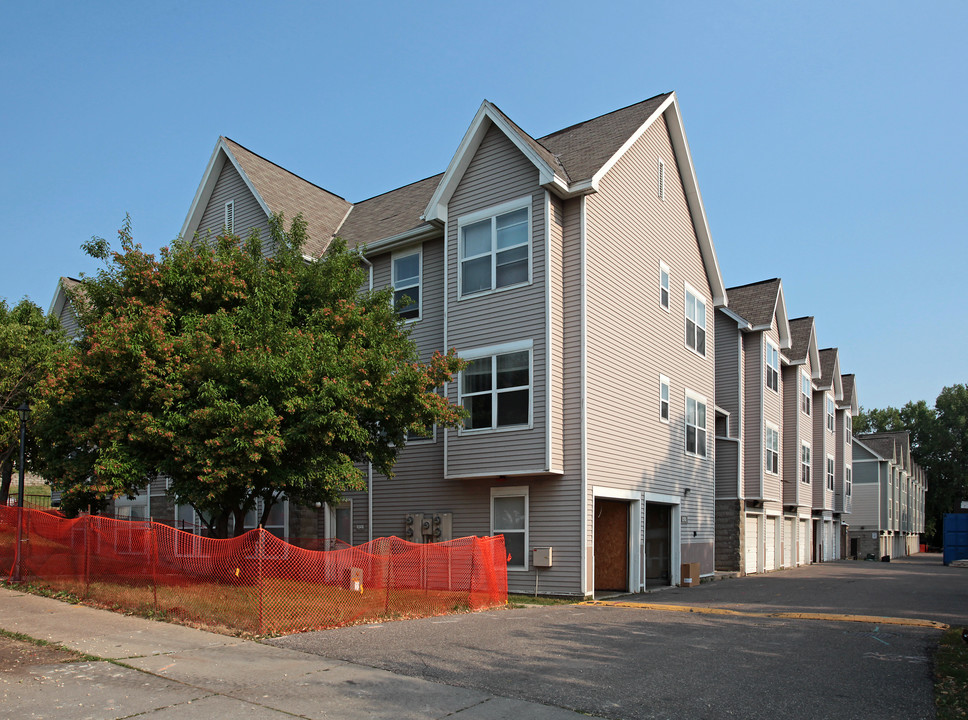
(241, 377)
(28, 344)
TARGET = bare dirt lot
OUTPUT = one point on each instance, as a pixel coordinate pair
(17, 655)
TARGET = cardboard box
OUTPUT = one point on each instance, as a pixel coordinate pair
(689, 575)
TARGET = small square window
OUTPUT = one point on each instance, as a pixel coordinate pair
(496, 390)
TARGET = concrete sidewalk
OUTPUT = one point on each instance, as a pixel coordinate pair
(170, 671)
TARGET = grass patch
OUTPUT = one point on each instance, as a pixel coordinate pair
(78, 656)
(951, 676)
(522, 600)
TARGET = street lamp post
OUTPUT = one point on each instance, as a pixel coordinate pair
(23, 411)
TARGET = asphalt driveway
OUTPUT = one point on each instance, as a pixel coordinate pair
(627, 662)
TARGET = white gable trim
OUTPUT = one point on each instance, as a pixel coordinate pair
(220, 154)
(486, 116)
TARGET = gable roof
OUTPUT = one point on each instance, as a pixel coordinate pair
(804, 344)
(849, 401)
(276, 190)
(758, 303)
(830, 372)
(883, 446)
(62, 306)
(390, 215)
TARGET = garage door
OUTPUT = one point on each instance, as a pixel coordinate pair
(803, 543)
(788, 528)
(828, 540)
(769, 544)
(752, 543)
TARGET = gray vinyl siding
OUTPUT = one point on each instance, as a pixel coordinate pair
(631, 340)
(728, 390)
(795, 492)
(842, 503)
(823, 441)
(249, 215)
(556, 332)
(753, 356)
(68, 320)
(497, 174)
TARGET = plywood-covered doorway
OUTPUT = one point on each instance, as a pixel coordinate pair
(611, 545)
(658, 544)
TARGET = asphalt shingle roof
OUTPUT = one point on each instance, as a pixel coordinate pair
(756, 302)
(388, 214)
(828, 360)
(799, 337)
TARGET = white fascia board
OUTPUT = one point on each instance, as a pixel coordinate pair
(814, 353)
(687, 172)
(60, 298)
(220, 154)
(740, 322)
(783, 320)
(485, 117)
(838, 383)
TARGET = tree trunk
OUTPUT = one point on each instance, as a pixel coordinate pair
(6, 476)
(239, 514)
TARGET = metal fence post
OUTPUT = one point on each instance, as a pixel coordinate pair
(260, 554)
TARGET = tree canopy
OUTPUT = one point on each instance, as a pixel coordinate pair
(939, 444)
(28, 343)
(242, 376)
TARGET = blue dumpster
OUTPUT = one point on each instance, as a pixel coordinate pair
(955, 537)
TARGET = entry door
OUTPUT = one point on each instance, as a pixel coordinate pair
(658, 544)
(611, 545)
(752, 544)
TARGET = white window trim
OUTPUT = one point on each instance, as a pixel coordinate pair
(664, 382)
(766, 449)
(689, 289)
(806, 464)
(418, 251)
(230, 216)
(831, 470)
(427, 440)
(470, 219)
(689, 394)
(848, 429)
(491, 351)
(515, 491)
(808, 403)
(770, 346)
(831, 413)
(668, 288)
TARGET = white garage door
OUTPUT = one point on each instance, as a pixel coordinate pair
(752, 543)
(769, 543)
(788, 529)
(828, 540)
(803, 543)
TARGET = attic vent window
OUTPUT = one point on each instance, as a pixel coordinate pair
(230, 216)
(661, 180)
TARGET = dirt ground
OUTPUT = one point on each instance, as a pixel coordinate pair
(17, 655)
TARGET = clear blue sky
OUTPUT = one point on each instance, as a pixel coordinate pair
(828, 137)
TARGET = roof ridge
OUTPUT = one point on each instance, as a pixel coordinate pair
(597, 117)
(393, 190)
(285, 170)
(753, 284)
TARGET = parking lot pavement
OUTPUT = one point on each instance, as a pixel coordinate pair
(632, 663)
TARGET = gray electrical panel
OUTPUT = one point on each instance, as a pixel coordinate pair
(429, 527)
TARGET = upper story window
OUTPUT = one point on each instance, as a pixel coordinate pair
(495, 248)
(695, 321)
(495, 388)
(695, 424)
(805, 463)
(772, 442)
(848, 480)
(663, 398)
(406, 284)
(664, 285)
(661, 180)
(848, 428)
(830, 473)
(830, 413)
(772, 366)
(806, 390)
(230, 216)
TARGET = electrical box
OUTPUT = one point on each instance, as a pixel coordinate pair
(541, 557)
(429, 527)
(443, 527)
(412, 528)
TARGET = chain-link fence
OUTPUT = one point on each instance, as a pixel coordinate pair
(255, 583)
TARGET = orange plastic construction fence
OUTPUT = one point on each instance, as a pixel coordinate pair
(256, 582)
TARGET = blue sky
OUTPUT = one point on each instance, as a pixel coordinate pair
(828, 137)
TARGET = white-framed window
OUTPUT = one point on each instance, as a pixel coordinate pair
(848, 480)
(772, 442)
(772, 367)
(805, 462)
(660, 179)
(509, 517)
(695, 321)
(495, 387)
(426, 435)
(830, 472)
(848, 428)
(695, 424)
(806, 391)
(664, 286)
(230, 216)
(406, 273)
(495, 248)
(830, 413)
(663, 398)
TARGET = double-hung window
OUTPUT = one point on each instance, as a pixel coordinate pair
(406, 284)
(509, 517)
(806, 390)
(695, 321)
(664, 279)
(695, 424)
(848, 428)
(495, 249)
(495, 387)
(804, 463)
(830, 413)
(848, 480)
(772, 367)
(772, 450)
(830, 473)
(663, 398)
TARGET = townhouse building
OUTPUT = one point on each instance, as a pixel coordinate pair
(846, 408)
(827, 392)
